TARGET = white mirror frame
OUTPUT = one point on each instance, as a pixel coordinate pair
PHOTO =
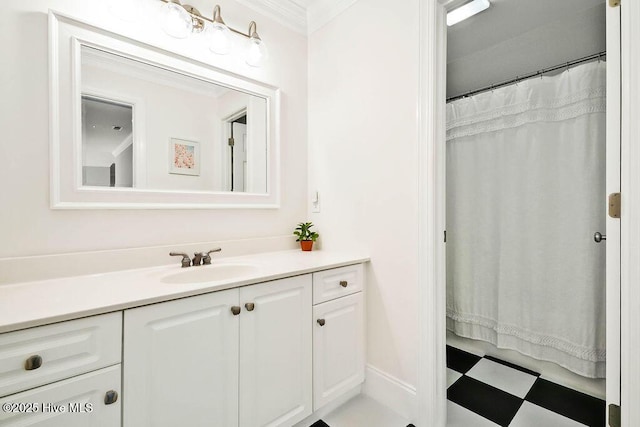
(66, 37)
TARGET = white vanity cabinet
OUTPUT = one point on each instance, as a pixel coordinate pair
(63, 374)
(234, 357)
(275, 353)
(181, 362)
(338, 333)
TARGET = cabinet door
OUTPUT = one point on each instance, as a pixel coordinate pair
(338, 348)
(181, 362)
(275, 353)
(76, 402)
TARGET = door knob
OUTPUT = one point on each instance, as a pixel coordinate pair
(249, 306)
(321, 322)
(235, 310)
(599, 237)
(344, 283)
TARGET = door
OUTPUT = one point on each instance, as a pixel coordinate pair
(338, 348)
(275, 353)
(181, 362)
(239, 156)
(613, 186)
(75, 402)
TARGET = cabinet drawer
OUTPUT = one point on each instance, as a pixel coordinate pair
(331, 284)
(41, 355)
(76, 402)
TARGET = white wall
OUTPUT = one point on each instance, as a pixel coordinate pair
(363, 96)
(29, 227)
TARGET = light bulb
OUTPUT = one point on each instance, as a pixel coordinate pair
(219, 37)
(256, 54)
(176, 21)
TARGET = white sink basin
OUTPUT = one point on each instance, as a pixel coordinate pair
(210, 273)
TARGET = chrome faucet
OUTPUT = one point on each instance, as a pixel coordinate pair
(186, 261)
(207, 258)
(199, 258)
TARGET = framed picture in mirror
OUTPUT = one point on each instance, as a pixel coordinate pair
(184, 157)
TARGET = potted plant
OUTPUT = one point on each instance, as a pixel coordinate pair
(305, 236)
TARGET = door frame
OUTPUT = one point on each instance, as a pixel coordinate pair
(431, 382)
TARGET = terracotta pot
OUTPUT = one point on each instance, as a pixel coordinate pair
(306, 245)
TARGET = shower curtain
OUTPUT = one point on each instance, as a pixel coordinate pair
(525, 194)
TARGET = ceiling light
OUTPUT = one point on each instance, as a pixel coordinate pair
(466, 11)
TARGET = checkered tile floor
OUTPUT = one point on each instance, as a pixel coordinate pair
(485, 391)
(488, 392)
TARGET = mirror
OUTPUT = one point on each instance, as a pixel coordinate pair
(146, 128)
(149, 128)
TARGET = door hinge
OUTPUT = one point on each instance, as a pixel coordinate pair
(614, 416)
(615, 206)
(445, 236)
(614, 3)
(231, 142)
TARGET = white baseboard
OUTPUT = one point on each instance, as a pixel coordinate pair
(391, 392)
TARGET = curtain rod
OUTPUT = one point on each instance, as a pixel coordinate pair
(530, 75)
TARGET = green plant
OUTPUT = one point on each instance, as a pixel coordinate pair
(303, 232)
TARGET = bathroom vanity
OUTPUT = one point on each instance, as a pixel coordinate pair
(248, 341)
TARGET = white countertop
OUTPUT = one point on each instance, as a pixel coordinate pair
(28, 304)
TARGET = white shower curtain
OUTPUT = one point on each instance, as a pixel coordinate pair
(525, 194)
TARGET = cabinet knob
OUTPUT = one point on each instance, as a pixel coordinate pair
(321, 322)
(250, 306)
(34, 362)
(110, 397)
(343, 283)
(235, 310)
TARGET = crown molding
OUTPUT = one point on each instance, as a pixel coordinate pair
(289, 13)
(302, 16)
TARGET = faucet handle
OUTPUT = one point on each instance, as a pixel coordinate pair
(186, 261)
(207, 258)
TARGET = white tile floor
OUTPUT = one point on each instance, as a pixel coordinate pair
(531, 415)
(452, 376)
(500, 376)
(362, 411)
(457, 416)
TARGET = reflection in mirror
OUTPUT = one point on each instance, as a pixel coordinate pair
(146, 127)
(107, 156)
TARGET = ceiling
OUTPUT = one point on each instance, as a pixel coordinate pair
(518, 37)
(507, 19)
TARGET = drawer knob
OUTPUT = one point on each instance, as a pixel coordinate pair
(110, 397)
(343, 283)
(250, 306)
(34, 362)
(321, 322)
(235, 310)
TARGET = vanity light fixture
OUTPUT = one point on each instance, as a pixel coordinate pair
(467, 10)
(256, 54)
(180, 21)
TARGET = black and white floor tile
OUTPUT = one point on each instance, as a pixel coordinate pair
(487, 392)
(484, 391)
